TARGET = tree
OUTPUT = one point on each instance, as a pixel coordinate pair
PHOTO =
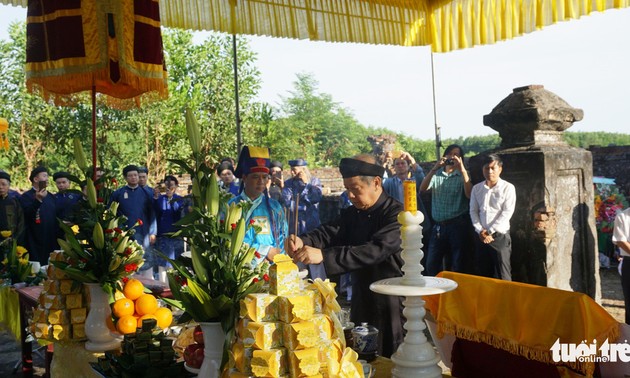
(312, 126)
(200, 77)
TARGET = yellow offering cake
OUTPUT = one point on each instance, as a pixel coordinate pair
(293, 331)
(61, 312)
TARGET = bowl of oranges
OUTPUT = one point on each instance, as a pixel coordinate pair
(133, 305)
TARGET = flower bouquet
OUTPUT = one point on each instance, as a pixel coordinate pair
(102, 250)
(608, 203)
(15, 265)
(219, 273)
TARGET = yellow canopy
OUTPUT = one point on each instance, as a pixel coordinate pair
(445, 25)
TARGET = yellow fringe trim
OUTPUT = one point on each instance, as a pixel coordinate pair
(513, 347)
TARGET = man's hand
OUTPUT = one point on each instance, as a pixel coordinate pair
(308, 255)
(272, 252)
(41, 194)
(485, 237)
(152, 239)
(292, 244)
(459, 163)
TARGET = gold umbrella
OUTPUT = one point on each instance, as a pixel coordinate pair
(445, 25)
(111, 47)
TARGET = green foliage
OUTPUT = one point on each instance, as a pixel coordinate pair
(314, 127)
(307, 123)
(596, 138)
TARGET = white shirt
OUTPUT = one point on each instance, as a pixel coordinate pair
(621, 232)
(492, 208)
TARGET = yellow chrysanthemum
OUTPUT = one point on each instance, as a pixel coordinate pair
(24, 261)
(5, 233)
(19, 251)
(75, 229)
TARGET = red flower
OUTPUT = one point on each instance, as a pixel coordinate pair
(140, 222)
(118, 230)
(251, 221)
(255, 280)
(38, 221)
(128, 251)
(257, 254)
(100, 200)
(131, 267)
(233, 225)
(114, 181)
(115, 240)
(108, 230)
(125, 280)
(266, 277)
(221, 221)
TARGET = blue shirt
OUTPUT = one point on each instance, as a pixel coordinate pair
(167, 212)
(136, 203)
(308, 207)
(269, 216)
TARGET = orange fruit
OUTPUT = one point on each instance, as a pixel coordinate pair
(133, 289)
(110, 324)
(164, 317)
(146, 304)
(147, 316)
(123, 307)
(126, 324)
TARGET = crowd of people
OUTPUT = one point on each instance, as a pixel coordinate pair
(362, 244)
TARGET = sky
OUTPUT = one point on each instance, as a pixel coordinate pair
(586, 62)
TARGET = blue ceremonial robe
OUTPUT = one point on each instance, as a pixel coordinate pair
(273, 224)
(136, 203)
(42, 229)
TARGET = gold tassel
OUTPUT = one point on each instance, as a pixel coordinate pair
(4, 134)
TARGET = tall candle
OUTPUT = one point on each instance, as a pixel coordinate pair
(409, 191)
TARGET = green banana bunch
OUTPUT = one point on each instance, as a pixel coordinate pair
(192, 129)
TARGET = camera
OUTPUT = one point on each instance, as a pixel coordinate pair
(449, 162)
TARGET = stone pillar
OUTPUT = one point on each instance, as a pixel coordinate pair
(382, 148)
(553, 227)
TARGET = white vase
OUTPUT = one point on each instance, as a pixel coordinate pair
(100, 338)
(213, 339)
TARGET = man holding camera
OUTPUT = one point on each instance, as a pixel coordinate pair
(450, 247)
(40, 217)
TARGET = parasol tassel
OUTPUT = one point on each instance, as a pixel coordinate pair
(4, 134)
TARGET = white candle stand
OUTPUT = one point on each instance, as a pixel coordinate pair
(415, 357)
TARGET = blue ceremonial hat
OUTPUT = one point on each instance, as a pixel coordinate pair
(252, 160)
(298, 163)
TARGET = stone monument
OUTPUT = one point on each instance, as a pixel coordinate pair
(553, 227)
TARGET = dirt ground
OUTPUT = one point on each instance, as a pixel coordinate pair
(612, 301)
